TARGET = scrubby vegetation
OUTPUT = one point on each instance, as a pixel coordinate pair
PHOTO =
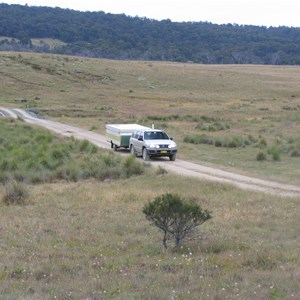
(34, 155)
(176, 218)
(15, 194)
(226, 141)
(261, 156)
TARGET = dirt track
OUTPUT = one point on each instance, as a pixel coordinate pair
(181, 167)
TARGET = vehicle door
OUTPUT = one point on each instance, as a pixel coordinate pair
(139, 142)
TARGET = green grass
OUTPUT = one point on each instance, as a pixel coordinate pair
(34, 155)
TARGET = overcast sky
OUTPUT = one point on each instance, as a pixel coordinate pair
(247, 12)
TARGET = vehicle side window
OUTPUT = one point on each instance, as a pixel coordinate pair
(148, 135)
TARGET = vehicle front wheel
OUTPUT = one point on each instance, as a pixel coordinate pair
(145, 155)
(173, 157)
(132, 151)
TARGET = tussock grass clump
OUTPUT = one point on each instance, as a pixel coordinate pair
(275, 152)
(226, 141)
(264, 260)
(261, 156)
(132, 167)
(262, 143)
(295, 153)
(188, 118)
(16, 193)
(198, 139)
(33, 155)
(212, 126)
(294, 148)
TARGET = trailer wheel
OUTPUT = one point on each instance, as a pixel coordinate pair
(145, 155)
(115, 147)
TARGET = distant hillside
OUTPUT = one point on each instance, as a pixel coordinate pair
(97, 34)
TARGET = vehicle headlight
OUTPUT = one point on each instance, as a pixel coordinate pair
(154, 146)
(173, 145)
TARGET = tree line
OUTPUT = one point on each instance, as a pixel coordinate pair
(117, 36)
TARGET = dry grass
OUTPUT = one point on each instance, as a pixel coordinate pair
(51, 43)
(262, 101)
(90, 240)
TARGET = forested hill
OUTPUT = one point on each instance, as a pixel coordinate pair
(97, 34)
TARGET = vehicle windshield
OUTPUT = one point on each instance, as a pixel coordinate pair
(155, 135)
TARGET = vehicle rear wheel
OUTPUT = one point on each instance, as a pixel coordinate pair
(145, 155)
(132, 151)
(173, 157)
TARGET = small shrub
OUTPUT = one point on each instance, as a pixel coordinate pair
(207, 118)
(232, 144)
(132, 167)
(218, 142)
(36, 67)
(73, 172)
(275, 152)
(295, 153)
(84, 145)
(93, 128)
(261, 156)
(46, 138)
(15, 194)
(198, 139)
(252, 139)
(58, 154)
(218, 126)
(175, 217)
(215, 126)
(110, 159)
(264, 260)
(262, 143)
(201, 126)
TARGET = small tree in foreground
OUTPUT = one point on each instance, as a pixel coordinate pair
(175, 217)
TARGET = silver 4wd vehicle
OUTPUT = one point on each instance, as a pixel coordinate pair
(152, 143)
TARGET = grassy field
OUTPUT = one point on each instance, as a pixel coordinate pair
(243, 102)
(90, 240)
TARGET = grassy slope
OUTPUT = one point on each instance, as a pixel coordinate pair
(33, 155)
(262, 101)
(90, 240)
